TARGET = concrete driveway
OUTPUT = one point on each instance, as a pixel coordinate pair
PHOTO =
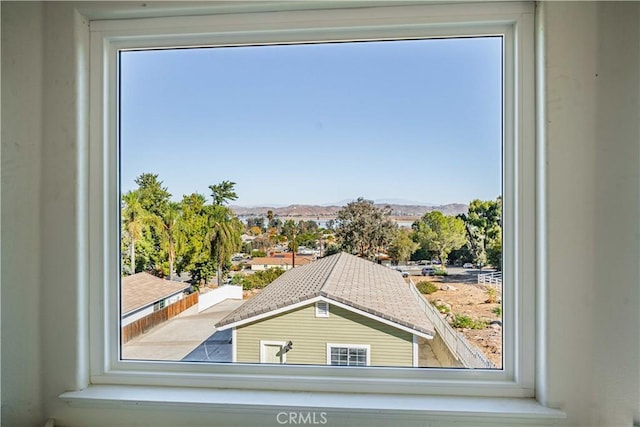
(216, 348)
(179, 337)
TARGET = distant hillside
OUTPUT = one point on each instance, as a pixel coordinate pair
(310, 211)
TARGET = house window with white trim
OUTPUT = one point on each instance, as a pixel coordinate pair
(159, 305)
(348, 355)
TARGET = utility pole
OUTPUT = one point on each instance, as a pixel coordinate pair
(293, 249)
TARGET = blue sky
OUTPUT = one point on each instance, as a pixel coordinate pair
(313, 124)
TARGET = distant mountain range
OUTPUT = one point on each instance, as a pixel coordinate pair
(320, 211)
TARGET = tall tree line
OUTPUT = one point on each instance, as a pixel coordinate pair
(168, 238)
(366, 230)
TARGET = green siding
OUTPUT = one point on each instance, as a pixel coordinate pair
(310, 334)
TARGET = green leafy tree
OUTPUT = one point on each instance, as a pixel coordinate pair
(310, 240)
(153, 196)
(308, 227)
(364, 229)
(483, 224)
(247, 247)
(191, 253)
(201, 273)
(440, 233)
(402, 246)
(257, 221)
(331, 249)
(256, 253)
(301, 233)
(259, 279)
(494, 251)
(153, 199)
(289, 229)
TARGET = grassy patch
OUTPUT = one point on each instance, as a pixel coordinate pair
(426, 287)
(442, 308)
(466, 322)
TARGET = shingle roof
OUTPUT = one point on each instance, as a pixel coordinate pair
(142, 289)
(346, 279)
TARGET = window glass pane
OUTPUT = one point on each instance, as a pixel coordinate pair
(261, 184)
(347, 356)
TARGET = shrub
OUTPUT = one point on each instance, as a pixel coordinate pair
(426, 287)
(497, 311)
(466, 322)
(491, 295)
(260, 279)
(441, 272)
(238, 279)
(442, 308)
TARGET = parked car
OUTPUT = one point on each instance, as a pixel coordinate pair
(404, 273)
(428, 271)
(467, 265)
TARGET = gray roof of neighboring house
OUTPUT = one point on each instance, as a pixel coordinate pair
(346, 279)
(143, 289)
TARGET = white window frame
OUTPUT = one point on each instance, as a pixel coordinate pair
(320, 312)
(513, 20)
(264, 343)
(366, 347)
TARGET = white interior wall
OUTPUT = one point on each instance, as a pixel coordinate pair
(593, 149)
(22, 83)
(616, 362)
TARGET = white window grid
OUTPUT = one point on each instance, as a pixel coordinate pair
(348, 356)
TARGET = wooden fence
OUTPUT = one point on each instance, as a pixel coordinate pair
(141, 326)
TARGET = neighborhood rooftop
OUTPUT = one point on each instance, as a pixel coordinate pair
(300, 260)
(345, 279)
(142, 289)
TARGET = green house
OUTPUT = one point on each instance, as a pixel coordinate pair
(339, 310)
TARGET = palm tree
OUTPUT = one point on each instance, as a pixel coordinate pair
(169, 232)
(133, 218)
(223, 192)
(223, 236)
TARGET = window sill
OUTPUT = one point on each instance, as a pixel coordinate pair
(338, 407)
